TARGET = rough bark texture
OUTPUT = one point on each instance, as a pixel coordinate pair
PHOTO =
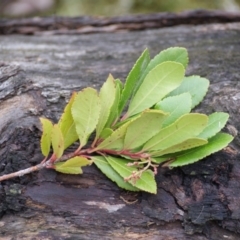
(37, 76)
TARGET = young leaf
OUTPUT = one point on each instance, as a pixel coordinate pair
(187, 144)
(158, 83)
(67, 125)
(216, 143)
(114, 114)
(72, 166)
(57, 141)
(107, 169)
(216, 122)
(115, 140)
(173, 54)
(46, 136)
(85, 111)
(107, 97)
(146, 182)
(195, 85)
(133, 77)
(143, 128)
(187, 126)
(176, 106)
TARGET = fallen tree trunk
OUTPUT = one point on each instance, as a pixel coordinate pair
(37, 76)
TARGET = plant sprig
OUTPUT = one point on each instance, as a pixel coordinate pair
(135, 127)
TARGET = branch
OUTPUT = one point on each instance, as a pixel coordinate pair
(25, 171)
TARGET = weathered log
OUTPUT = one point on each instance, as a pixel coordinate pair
(37, 76)
(87, 24)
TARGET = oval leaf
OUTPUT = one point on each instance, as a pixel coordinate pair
(216, 122)
(173, 54)
(114, 113)
(158, 83)
(107, 169)
(176, 106)
(146, 182)
(46, 136)
(72, 166)
(187, 144)
(67, 124)
(57, 141)
(133, 77)
(107, 97)
(85, 111)
(143, 128)
(187, 126)
(215, 144)
(195, 85)
(115, 140)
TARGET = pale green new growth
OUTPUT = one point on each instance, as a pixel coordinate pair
(67, 125)
(72, 166)
(47, 127)
(57, 141)
(156, 129)
(85, 111)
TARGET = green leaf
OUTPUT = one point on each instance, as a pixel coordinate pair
(85, 111)
(72, 166)
(133, 77)
(195, 85)
(57, 141)
(173, 54)
(146, 182)
(216, 122)
(107, 169)
(67, 125)
(107, 97)
(46, 136)
(106, 132)
(114, 114)
(176, 106)
(158, 83)
(188, 126)
(143, 128)
(115, 140)
(215, 144)
(187, 144)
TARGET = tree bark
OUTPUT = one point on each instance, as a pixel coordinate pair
(37, 76)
